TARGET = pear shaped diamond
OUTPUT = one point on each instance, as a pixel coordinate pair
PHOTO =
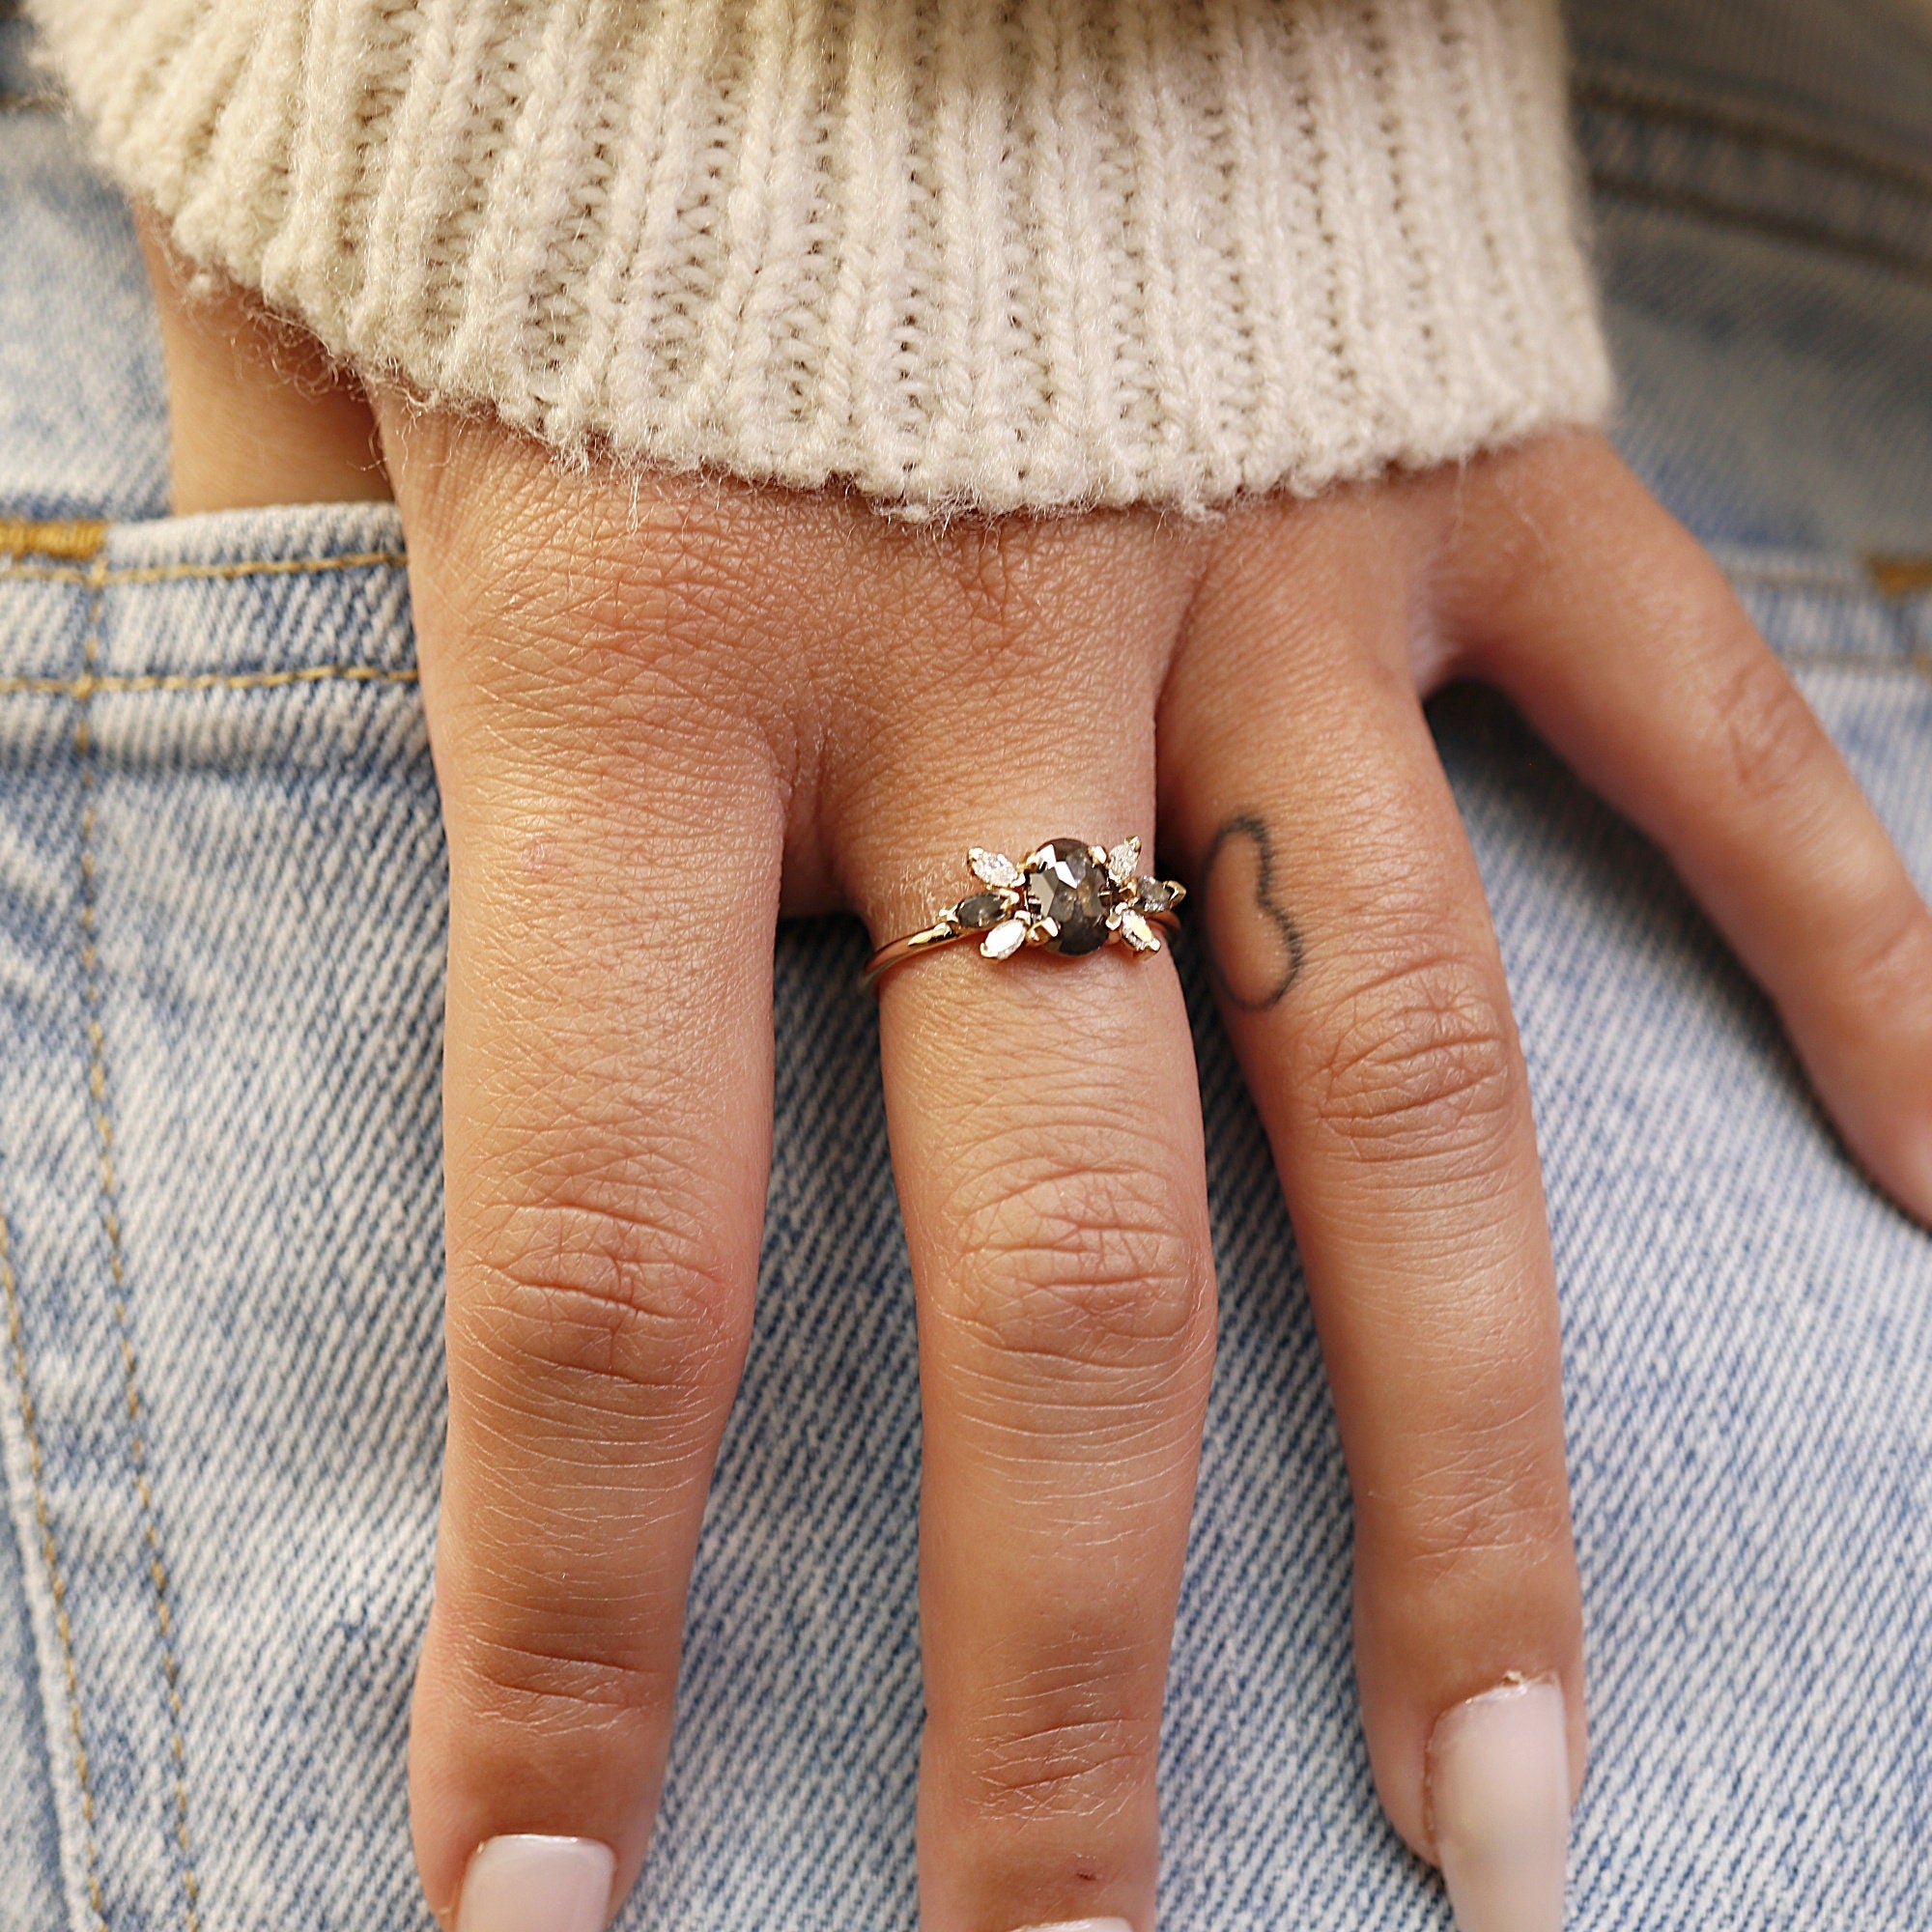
(1124, 861)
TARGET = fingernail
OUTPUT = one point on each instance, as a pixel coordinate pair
(1082, 1926)
(529, 1884)
(1500, 1801)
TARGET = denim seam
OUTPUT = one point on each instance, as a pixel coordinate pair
(110, 1212)
(81, 688)
(95, 576)
(49, 1553)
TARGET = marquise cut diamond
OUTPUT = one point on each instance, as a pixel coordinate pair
(1005, 940)
(992, 868)
(981, 911)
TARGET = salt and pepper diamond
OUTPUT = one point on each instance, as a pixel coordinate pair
(981, 911)
(1066, 895)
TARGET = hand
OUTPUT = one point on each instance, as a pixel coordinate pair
(665, 711)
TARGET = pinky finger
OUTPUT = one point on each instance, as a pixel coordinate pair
(1629, 654)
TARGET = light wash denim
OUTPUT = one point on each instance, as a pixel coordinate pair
(222, 932)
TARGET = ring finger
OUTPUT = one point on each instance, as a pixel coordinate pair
(1046, 1138)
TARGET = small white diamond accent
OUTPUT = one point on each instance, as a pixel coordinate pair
(1122, 862)
(1138, 933)
(992, 868)
(1005, 940)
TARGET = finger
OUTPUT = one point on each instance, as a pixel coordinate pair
(1364, 996)
(257, 413)
(1046, 1138)
(1624, 647)
(614, 851)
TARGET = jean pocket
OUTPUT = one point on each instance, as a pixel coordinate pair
(222, 909)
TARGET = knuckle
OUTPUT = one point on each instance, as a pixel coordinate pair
(1890, 957)
(1771, 739)
(1078, 1765)
(606, 1284)
(516, 1675)
(1474, 1510)
(1482, 1484)
(992, 576)
(1065, 1261)
(1419, 1058)
(655, 608)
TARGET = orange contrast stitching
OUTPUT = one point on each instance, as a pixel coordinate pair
(177, 573)
(110, 1191)
(16, 1345)
(1900, 576)
(81, 688)
(77, 539)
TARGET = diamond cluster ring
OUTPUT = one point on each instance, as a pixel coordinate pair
(1066, 896)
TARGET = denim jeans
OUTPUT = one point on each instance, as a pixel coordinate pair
(221, 931)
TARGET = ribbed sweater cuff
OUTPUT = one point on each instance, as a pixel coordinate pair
(988, 254)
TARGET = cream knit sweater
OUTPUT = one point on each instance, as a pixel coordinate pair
(988, 254)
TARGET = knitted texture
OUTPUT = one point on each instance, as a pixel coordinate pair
(985, 253)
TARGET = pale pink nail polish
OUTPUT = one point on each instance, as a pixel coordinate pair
(529, 1884)
(1082, 1926)
(1500, 1805)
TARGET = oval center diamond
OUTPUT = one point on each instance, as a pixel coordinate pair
(1066, 886)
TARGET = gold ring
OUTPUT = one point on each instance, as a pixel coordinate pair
(1066, 896)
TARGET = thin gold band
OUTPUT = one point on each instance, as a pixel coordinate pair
(898, 950)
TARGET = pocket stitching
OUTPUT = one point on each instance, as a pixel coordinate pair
(110, 1214)
(87, 685)
(96, 575)
(16, 1345)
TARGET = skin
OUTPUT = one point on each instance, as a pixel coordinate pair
(628, 675)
